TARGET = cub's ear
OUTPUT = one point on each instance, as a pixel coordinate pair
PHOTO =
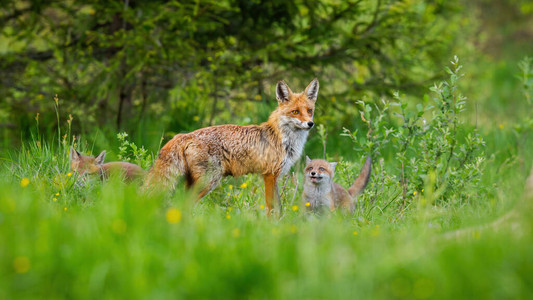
(311, 91)
(333, 165)
(307, 160)
(283, 92)
(100, 158)
(74, 155)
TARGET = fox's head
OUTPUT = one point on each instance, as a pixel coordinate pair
(297, 109)
(83, 164)
(319, 171)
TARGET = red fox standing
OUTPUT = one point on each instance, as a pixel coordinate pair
(83, 164)
(206, 155)
(320, 191)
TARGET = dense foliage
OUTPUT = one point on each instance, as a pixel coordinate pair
(121, 64)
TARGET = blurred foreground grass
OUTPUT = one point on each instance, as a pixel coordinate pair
(68, 238)
(118, 242)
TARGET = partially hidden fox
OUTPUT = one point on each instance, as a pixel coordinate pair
(206, 155)
(84, 164)
(321, 192)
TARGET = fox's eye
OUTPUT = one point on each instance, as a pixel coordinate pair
(310, 168)
(322, 169)
(310, 111)
(295, 112)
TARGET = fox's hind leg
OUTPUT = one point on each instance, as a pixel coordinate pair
(204, 177)
(207, 188)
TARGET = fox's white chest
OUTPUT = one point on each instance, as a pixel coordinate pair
(318, 195)
(293, 143)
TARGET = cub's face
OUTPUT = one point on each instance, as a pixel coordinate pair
(83, 164)
(319, 171)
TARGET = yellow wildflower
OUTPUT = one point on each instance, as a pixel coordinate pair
(57, 194)
(295, 208)
(21, 264)
(228, 216)
(355, 233)
(307, 204)
(196, 118)
(173, 215)
(65, 209)
(54, 199)
(414, 193)
(501, 126)
(24, 182)
(69, 174)
(231, 187)
(261, 206)
(244, 185)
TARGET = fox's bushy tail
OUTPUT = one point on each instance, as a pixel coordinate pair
(360, 183)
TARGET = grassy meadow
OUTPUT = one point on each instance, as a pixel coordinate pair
(447, 211)
(64, 237)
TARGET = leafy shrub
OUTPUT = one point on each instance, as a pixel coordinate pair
(431, 145)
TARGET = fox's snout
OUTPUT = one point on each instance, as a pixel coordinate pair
(317, 176)
(307, 125)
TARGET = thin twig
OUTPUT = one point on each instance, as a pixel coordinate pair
(296, 183)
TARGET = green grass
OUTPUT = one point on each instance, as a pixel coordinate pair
(442, 233)
(112, 240)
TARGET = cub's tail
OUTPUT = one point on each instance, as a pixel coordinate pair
(360, 183)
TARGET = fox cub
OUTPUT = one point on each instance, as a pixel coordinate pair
(320, 190)
(83, 164)
(206, 155)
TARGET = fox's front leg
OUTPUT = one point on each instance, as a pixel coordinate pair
(271, 193)
(331, 203)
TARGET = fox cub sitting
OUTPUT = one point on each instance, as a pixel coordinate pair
(321, 192)
(83, 164)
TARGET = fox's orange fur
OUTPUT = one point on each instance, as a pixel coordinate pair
(206, 155)
(320, 190)
(84, 164)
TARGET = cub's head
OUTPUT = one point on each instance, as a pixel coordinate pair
(297, 109)
(319, 171)
(83, 164)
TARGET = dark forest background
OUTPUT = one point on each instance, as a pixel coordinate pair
(153, 68)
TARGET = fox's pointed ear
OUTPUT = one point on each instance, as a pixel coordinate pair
(311, 91)
(283, 92)
(100, 158)
(333, 165)
(307, 160)
(74, 155)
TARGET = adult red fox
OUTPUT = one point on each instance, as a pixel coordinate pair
(206, 155)
(84, 164)
(321, 192)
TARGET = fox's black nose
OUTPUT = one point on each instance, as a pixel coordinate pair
(313, 173)
(310, 124)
